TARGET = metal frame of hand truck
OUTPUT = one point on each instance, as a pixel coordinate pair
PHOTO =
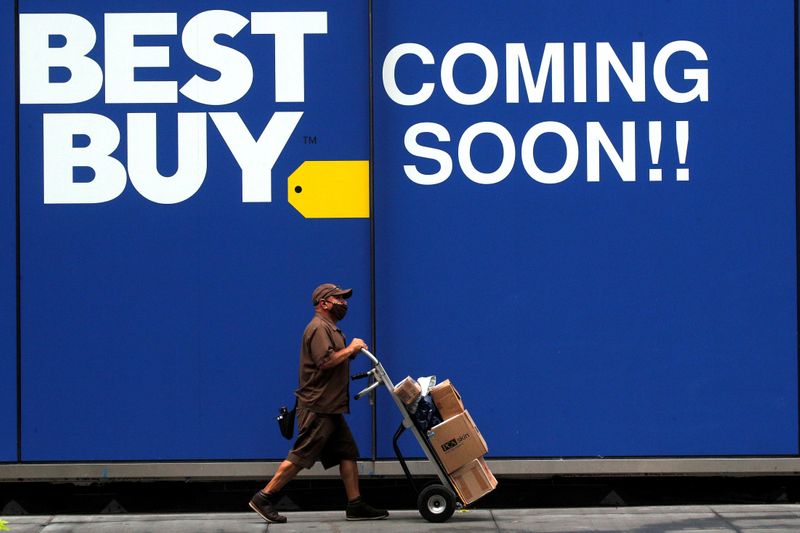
(437, 502)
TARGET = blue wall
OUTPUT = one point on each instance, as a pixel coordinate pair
(8, 268)
(578, 318)
(601, 318)
(173, 331)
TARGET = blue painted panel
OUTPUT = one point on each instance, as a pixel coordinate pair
(583, 317)
(8, 268)
(158, 331)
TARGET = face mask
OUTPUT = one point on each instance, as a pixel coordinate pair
(338, 310)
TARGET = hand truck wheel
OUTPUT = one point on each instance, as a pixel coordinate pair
(436, 503)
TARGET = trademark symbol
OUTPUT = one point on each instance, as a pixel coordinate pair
(309, 139)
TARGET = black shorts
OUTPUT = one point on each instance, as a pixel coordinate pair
(324, 437)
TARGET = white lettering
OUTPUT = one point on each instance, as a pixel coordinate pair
(236, 71)
(426, 152)
(700, 75)
(465, 156)
(289, 30)
(256, 157)
(579, 72)
(529, 158)
(517, 60)
(625, 164)
(36, 58)
(143, 160)
(634, 85)
(61, 157)
(123, 57)
(449, 84)
(390, 79)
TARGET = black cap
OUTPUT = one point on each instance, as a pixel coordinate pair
(329, 289)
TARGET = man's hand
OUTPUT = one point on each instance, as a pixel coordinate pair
(344, 354)
(356, 345)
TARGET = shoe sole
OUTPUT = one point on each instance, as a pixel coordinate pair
(384, 517)
(262, 515)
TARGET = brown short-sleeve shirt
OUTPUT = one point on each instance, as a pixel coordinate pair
(328, 390)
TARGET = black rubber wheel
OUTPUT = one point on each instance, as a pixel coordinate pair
(436, 503)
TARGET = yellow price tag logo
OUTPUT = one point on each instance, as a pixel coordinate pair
(330, 189)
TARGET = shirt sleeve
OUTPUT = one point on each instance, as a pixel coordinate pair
(320, 346)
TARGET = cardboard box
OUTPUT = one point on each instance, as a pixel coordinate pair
(408, 390)
(457, 441)
(473, 480)
(447, 399)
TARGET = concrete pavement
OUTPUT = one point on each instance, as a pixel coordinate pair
(685, 519)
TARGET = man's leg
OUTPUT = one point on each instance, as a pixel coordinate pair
(311, 439)
(264, 501)
(349, 472)
(357, 509)
(286, 472)
(342, 449)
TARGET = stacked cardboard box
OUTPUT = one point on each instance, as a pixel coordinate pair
(457, 441)
(447, 399)
(408, 390)
(473, 480)
(459, 445)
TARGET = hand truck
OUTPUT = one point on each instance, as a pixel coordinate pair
(438, 501)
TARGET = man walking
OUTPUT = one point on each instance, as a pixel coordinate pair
(322, 398)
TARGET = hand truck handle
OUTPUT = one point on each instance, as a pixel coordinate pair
(368, 354)
(361, 375)
(365, 391)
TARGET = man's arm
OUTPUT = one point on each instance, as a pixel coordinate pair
(342, 355)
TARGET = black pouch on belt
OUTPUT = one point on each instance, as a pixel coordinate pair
(286, 421)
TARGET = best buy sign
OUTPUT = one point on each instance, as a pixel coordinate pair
(256, 153)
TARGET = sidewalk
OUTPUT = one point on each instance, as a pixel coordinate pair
(739, 518)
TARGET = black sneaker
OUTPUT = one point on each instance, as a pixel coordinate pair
(263, 506)
(359, 510)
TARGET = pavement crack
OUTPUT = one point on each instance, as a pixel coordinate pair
(49, 521)
(491, 513)
(728, 522)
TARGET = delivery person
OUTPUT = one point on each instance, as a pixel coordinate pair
(322, 399)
